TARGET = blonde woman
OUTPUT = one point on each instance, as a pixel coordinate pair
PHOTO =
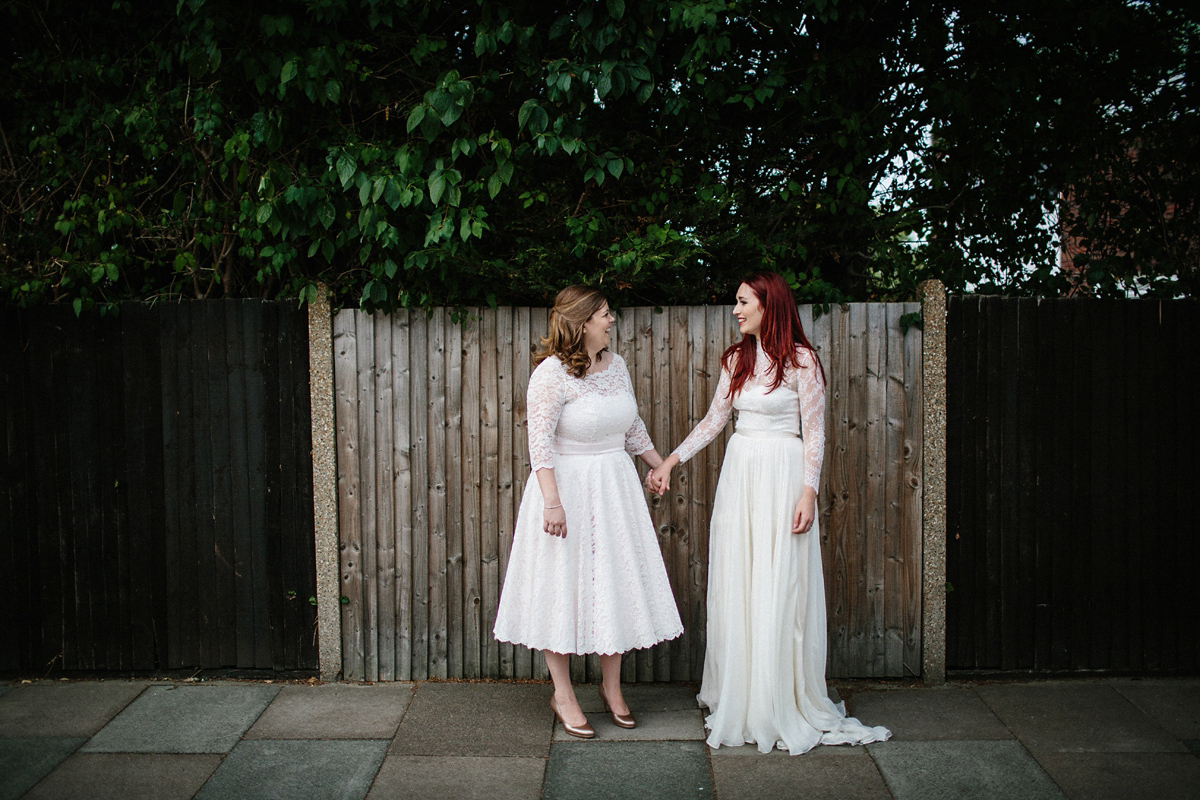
(585, 574)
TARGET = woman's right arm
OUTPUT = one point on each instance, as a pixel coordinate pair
(544, 402)
(719, 412)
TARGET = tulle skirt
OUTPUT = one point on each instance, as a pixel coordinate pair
(764, 666)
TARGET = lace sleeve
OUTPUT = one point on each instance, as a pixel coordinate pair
(811, 389)
(637, 438)
(713, 423)
(544, 403)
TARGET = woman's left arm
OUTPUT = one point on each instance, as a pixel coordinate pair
(811, 389)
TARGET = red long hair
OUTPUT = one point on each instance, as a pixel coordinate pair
(780, 332)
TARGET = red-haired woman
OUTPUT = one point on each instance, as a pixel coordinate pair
(764, 667)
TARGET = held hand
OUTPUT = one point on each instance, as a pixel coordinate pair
(554, 521)
(806, 512)
(659, 479)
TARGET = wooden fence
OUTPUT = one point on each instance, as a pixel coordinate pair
(1071, 501)
(432, 461)
(156, 506)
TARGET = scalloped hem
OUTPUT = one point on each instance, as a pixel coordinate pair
(553, 649)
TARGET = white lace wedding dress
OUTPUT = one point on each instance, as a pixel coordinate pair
(603, 588)
(764, 666)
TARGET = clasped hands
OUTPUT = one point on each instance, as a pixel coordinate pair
(658, 480)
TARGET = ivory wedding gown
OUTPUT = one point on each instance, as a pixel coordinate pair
(764, 666)
(603, 588)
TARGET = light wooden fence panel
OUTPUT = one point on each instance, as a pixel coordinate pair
(434, 459)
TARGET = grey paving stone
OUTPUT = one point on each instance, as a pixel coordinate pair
(184, 719)
(817, 775)
(1124, 776)
(296, 770)
(1088, 716)
(621, 770)
(641, 697)
(822, 751)
(995, 770)
(928, 714)
(462, 778)
(126, 776)
(5, 690)
(54, 708)
(476, 719)
(653, 726)
(26, 760)
(334, 711)
(1173, 703)
(1193, 745)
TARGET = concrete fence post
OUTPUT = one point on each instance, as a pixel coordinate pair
(933, 523)
(325, 500)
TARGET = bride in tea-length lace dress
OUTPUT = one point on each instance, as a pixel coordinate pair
(603, 587)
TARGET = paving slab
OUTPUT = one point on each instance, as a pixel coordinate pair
(54, 708)
(184, 719)
(1124, 776)
(1073, 717)
(265, 769)
(477, 719)
(823, 751)
(1193, 745)
(334, 711)
(652, 726)
(462, 778)
(641, 697)
(127, 776)
(621, 770)
(921, 714)
(1173, 703)
(5, 690)
(991, 770)
(823, 773)
(26, 760)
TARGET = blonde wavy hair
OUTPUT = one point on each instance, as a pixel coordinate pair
(573, 306)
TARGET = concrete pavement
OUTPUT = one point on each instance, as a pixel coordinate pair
(1076, 739)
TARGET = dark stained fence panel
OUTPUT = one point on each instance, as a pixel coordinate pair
(156, 506)
(1069, 466)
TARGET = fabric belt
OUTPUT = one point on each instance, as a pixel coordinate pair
(609, 444)
(767, 434)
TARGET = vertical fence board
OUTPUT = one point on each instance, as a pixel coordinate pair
(875, 386)
(346, 405)
(385, 506)
(402, 492)
(418, 325)
(644, 388)
(489, 499)
(436, 454)
(518, 353)
(454, 493)
(472, 527)
(506, 485)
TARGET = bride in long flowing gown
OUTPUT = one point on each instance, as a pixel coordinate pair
(764, 666)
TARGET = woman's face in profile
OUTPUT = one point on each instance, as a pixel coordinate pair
(595, 330)
(748, 311)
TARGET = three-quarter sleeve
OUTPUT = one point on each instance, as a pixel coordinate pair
(544, 401)
(637, 438)
(811, 389)
(713, 423)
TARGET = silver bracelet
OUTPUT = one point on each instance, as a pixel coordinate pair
(551, 508)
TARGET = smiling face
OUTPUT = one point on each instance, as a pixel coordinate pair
(748, 311)
(595, 331)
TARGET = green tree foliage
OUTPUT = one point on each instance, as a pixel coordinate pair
(419, 152)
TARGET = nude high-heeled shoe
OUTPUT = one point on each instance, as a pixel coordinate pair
(583, 731)
(620, 720)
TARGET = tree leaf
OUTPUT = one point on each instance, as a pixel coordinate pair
(437, 186)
